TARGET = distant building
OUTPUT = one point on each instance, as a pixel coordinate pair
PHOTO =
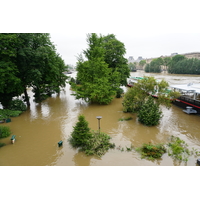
(131, 59)
(173, 54)
(139, 59)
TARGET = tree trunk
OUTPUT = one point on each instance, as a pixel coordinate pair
(26, 97)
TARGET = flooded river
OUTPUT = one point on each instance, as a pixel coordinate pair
(39, 129)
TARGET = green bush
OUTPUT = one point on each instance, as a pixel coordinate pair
(92, 143)
(178, 149)
(17, 105)
(4, 131)
(98, 144)
(150, 113)
(119, 92)
(151, 151)
(4, 113)
(81, 133)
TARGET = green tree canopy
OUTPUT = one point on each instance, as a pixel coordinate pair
(99, 77)
(33, 62)
(137, 96)
(154, 66)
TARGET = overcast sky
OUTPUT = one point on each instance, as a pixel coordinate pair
(147, 28)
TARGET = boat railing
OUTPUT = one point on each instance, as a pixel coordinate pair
(188, 99)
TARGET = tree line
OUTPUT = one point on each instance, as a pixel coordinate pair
(178, 64)
(29, 60)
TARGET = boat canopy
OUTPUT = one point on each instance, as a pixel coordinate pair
(190, 88)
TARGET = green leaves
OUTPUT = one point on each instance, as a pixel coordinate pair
(92, 143)
(104, 71)
(29, 59)
(150, 113)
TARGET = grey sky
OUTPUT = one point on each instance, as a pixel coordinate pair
(147, 28)
(147, 46)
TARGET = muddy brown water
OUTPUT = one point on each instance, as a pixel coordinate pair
(39, 129)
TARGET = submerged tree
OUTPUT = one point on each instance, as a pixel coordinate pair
(138, 96)
(100, 74)
(150, 113)
(81, 133)
(29, 60)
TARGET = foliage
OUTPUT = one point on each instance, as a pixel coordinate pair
(119, 92)
(125, 119)
(178, 149)
(185, 66)
(91, 142)
(104, 70)
(133, 100)
(150, 113)
(98, 144)
(10, 83)
(17, 105)
(132, 66)
(5, 113)
(29, 60)
(137, 96)
(114, 57)
(81, 133)
(154, 66)
(151, 151)
(4, 131)
(142, 63)
(175, 59)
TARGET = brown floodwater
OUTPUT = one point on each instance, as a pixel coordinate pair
(39, 129)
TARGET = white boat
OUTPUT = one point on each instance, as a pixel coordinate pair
(190, 96)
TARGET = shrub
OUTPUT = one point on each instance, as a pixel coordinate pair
(150, 113)
(151, 151)
(81, 133)
(4, 113)
(178, 149)
(92, 143)
(17, 105)
(4, 131)
(119, 92)
(98, 144)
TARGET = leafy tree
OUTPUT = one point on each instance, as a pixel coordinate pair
(150, 113)
(10, 83)
(39, 65)
(98, 81)
(154, 65)
(114, 57)
(137, 96)
(186, 66)
(172, 65)
(166, 61)
(132, 66)
(142, 63)
(29, 60)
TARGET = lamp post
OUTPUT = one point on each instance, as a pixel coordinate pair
(99, 117)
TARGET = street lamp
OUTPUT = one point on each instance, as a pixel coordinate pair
(99, 117)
